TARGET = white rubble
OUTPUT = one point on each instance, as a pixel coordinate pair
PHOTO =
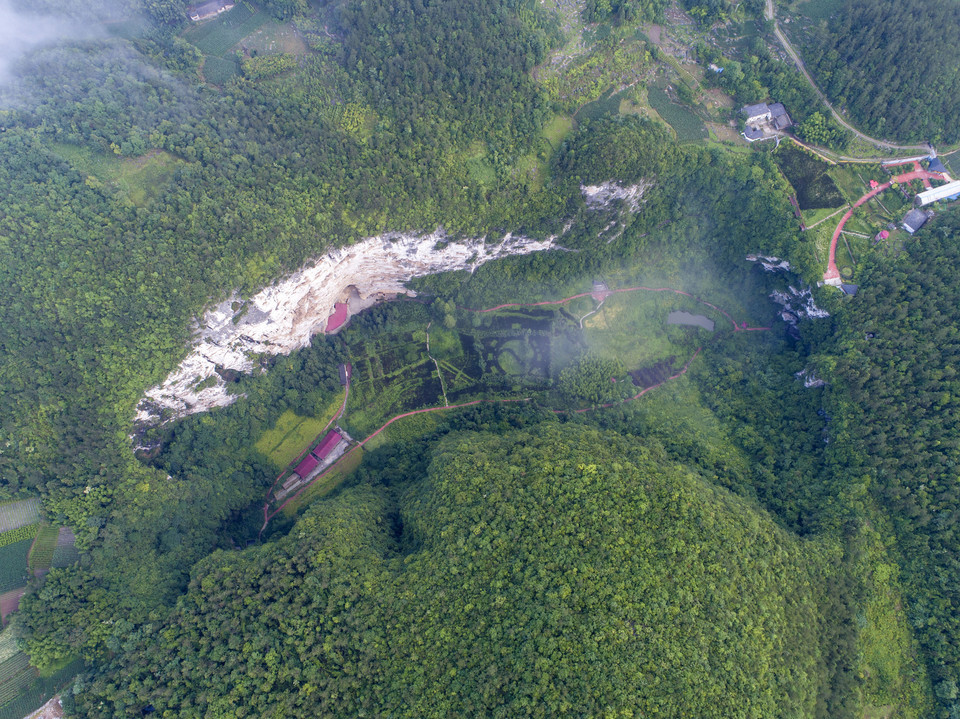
(809, 378)
(600, 196)
(797, 305)
(284, 316)
(770, 264)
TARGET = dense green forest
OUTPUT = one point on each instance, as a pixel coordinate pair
(897, 414)
(557, 569)
(894, 65)
(726, 546)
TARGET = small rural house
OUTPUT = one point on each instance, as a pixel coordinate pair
(914, 220)
(210, 9)
(764, 121)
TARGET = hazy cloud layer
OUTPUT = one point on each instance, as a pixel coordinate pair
(21, 32)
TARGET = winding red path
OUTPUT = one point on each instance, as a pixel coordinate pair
(741, 327)
(832, 275)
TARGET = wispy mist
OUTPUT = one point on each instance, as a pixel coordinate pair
(23, 31)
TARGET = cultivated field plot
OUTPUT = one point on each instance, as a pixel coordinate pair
(8, 646)
(688, 126)
(34, 691)
(10, 602)
(19, 514)
(289, 437)
(16, 674)
(219, 70)
(45, 544)
(18, 535)
(66, 553)
(814, 187)
(13, 565)
(217, 37)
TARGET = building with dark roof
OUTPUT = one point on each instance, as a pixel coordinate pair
(779, 117)
(756, 113)
(936, 165)
(752, 134)
(345, 370)
(914, 220)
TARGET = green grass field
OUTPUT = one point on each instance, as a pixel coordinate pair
(557, 129)
(219, 70)
(139, 178)
(41, 555)
(291, 435)
(688, 126)
(13, 565)
(14, 515)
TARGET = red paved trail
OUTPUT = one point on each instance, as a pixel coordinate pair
(832, 275)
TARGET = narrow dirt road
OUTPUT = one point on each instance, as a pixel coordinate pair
(769, 14)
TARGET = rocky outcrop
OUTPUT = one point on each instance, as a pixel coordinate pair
(281, 318)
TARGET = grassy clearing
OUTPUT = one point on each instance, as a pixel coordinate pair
(14, 515)
(849, 182)
(291, 434)
(688, 126)
(13, 565)
(139, 178)
(478, 167)
(219, 71)
(327, 483)
(45, 544)
(557, 129)
(272, 38)
(632, 328)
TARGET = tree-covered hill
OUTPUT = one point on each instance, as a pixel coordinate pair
(895, 65)
(556, 570)
(898, 399)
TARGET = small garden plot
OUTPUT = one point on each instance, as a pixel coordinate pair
(8, 645)
(14, 515)
(66, 554)
(38, 690)
(688, 126)
(814, 187)
(13, 565)
(41, 553)
(10, 602)
(16, 674)
(18, 535)
(290, 436)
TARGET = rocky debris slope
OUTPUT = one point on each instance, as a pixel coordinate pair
(283, 317)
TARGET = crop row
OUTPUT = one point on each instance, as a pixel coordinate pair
(18, 535)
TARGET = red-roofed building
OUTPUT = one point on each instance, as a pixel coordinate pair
(338, 317)
(327, 444)
(306, 466)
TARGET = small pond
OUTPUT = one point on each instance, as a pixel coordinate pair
(678, 317)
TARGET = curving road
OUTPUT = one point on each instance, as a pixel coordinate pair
(769, 15)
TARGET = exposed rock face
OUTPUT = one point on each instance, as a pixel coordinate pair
(809, 378)
(599, 196)
(283, 317)
(770, 264)
(797, 305)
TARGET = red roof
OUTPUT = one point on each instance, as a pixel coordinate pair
(338, 317)
(305, 467)
(327, 444)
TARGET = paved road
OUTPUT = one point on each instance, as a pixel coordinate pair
(769, 14)
(832, 275)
